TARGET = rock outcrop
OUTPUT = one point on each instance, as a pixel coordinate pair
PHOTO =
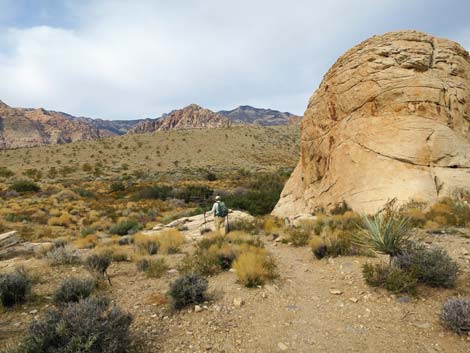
(390, 119)
(191, 117)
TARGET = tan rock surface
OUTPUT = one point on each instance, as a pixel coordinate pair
(390, 119)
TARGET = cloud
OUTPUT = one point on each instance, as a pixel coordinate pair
(121, 59)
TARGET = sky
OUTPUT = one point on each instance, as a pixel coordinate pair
(118, 59)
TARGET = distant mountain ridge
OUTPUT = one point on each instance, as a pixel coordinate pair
(191, 117)
(246, 114)
(26, 127)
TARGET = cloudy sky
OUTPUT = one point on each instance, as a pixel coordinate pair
(132, 59)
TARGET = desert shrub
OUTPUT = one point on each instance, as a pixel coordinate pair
(85, 193)
(73, 289)
(348, 221)
(271, 225)
(147, 244)
(298, 236)
(25, 186)
(120, 255)
(387, 234)
(430, 266)
(5, 172)
(126, 227)
(188, 289)
(87, 231)
(15, 287)
(63, 255)
(450, 212)
(170, 241)
(211, 176)
(318, 247)
(202, 262)
(455, 315)
(117, 186)
(394, 280)
(194, 193)
(340, 208)
(152, 267)
(243, 225)
(90, 326)
(98, 264)
(17, 217)
(254, 267)
(87, 242)
(154, 192)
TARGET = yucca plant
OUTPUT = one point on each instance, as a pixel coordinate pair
(385, 234)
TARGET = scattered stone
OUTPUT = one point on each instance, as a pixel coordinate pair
(336, 291)
(197, 308)
(238, 302)
(403, 299)
(34, 311)
(282, 346)
(353, 299)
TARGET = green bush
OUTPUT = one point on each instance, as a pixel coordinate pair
(126, 227)
(188, 289)
(117, 186)
(154, 192)
(25, 186)
(15, 287)
(392, 279)
(89, 326)
(152, 267)
(202, 262)
(431, 266)
(194, 193)
(87, 231)
(85, 193)
(455, 315)
(73, 290)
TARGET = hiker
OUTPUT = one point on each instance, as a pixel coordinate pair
(220, 212)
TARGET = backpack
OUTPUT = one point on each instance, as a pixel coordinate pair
(221, 210)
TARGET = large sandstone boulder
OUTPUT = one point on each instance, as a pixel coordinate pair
(390, 119)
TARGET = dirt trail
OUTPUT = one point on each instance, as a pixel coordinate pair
(301, 313)
(315, 306)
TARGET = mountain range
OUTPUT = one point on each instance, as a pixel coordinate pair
(25, 127)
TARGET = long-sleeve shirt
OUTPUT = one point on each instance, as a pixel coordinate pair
(214, 207)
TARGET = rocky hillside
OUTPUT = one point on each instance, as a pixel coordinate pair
(109, 127)
(190, 117)
(31, 127)
(389, 120)
(246, 114)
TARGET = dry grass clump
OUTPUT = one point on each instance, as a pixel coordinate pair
(73, 289)
(170, 241)
(64, 220)
(254, 267)
(87, 242)
(154, 268)
(188, 289)
(62, 254)
(146, 244)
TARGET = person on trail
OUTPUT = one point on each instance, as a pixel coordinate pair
(220, 212)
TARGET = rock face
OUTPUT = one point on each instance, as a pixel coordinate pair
(246, 114)
(390, 119)
(190, 117)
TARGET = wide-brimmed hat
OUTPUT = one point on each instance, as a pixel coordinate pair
(217, 198)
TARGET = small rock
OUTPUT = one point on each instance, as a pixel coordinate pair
(282, 346)
(172, 270)
(403, 299)
(238, 302)
(33, 312)
(336, 291)
(353, 299)
(197, 308)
